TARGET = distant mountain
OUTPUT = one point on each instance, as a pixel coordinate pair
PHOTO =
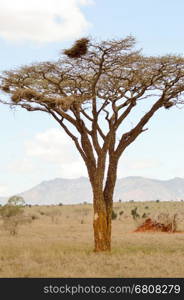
(59, 190)
(71, 191)
(146, 189)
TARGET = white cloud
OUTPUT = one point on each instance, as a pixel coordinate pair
(47, 155)
(3, 190)
(43, 20)
(73, 170)
(143, 167)
(24, 165)
(143, 164)
(54, 147)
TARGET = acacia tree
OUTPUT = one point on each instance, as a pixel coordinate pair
(91, 91)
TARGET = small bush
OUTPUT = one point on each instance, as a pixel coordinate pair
(135, 214)
(144, 215)
(13, 207)
(42, 213)
(12, 214)
(114, 215)
(34, 217)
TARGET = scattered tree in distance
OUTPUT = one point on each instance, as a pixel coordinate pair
(12, 214)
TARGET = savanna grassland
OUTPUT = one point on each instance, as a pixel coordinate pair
(58, 242)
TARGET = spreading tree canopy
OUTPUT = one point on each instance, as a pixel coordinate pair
(90, 91)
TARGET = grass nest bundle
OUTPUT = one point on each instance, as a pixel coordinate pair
(16, 97)
(75, 100)
(27, 94)
(79, 49)
(6, 88)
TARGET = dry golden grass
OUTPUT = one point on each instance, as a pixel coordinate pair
(59, 243)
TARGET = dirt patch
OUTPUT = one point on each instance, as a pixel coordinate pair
(150, 225)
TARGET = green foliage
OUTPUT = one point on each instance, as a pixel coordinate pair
(16, 201)
(144, 216)
(114, 215)
(134, 213)
(11, 213)
(13, 207)
(121, 212)
(139, 217)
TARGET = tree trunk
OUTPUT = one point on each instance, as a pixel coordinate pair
(102, 224)
(103, 203)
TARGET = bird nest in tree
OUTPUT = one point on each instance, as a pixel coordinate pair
(66, 102)
(79, 49)
(5, 88)
(27, 94)
(63, 103)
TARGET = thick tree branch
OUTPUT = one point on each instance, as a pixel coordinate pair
(130, 136)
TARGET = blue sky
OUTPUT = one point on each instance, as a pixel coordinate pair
(32, 32)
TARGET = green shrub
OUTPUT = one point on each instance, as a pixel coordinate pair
(12, 214)
(34, 217)
(13, 207)
(135, 214)
(144, 216)
(42, 213)
(114, 215)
